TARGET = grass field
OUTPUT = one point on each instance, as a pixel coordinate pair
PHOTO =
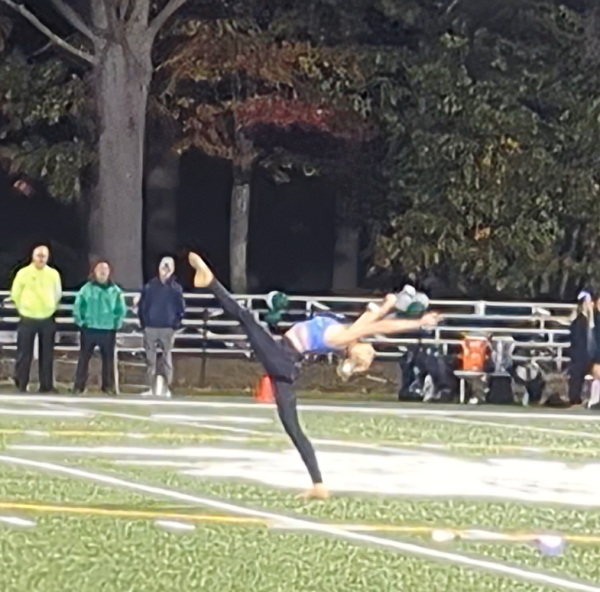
(124, 495)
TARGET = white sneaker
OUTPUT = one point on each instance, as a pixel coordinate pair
(168, 394)
(147, 393)
(160, 386)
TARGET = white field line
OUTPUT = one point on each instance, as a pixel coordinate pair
(241, 431)
(217, 418)
(190, 452)
(281, 435)
(319, 441)
(401, 410)
(40, 413)
(308, 525)
(195, 452)
(174, 526)
(399, 446)
(14, 521)
(520, 426)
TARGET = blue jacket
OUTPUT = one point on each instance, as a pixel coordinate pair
(161, 305)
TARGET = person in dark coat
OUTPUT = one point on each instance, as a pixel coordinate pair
(585, 348)
(160, 311)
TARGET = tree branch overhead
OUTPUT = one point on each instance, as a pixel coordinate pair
(163, 16)
(73, 19)
(25, 13)
(140, 12)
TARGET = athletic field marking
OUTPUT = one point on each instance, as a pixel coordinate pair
(398, 409)
(188, 452)
(218, 428)
(519, 426)
(471, 535)
(447, 418)
(245, 431)
(132, 435)
(41, 413)
(217, 418)
(195, 453)
(412, 475)
(325, 442)
(281, 436)
(304, 524)
(153, 420)
(104, 449)
(14, 521)
(114, 513)
(320, 441)
(397, 444)
(173, 526)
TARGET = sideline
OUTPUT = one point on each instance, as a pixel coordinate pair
(396, 410)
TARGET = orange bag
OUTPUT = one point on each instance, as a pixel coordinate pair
(475, 353)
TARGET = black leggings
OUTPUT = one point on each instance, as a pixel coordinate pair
(281, 361)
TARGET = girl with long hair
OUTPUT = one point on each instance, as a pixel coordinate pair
(320, 335)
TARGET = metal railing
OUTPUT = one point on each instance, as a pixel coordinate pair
(540, 331)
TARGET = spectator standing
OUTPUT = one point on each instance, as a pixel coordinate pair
(585, 349)
(36, 292)
(160, 310)
(99, 312)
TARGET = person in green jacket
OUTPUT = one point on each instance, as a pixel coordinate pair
(99, 312)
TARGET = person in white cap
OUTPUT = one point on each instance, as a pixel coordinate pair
(160, 310)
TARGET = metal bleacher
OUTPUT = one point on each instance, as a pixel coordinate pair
(540, 331)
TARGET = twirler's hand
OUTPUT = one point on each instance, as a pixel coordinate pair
(390, 302)
(431, 319)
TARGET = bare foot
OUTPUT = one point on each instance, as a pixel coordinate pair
(203, 275)
(318, 491)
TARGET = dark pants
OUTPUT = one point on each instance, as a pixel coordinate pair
(281, 361)
(45, 329)
(105, 341)
(577, 374)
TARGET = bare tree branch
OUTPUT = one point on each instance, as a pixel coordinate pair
(42, 49)
(112, 18)
(73, 19)
(141, 10)
(84, 55)
(163, 16)
(99, 16)
(123, 8)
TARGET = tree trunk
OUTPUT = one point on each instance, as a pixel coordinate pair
(239, 225)
(162, 181)
(122, 79)
(347, 247)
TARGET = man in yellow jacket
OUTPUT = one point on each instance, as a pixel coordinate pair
(36, 293)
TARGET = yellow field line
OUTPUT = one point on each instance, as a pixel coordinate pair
(129, 513)
(266, 438)
(155, 514)
(108, 434)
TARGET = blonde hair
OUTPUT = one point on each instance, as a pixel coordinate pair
(358, 359)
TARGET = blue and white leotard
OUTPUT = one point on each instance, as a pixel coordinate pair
(311, 334)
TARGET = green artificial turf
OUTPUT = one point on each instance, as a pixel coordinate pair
(119, 555)
(90, 552)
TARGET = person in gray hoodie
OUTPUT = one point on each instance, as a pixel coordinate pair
(160, 311)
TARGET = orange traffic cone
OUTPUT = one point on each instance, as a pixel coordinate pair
(263, 393)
